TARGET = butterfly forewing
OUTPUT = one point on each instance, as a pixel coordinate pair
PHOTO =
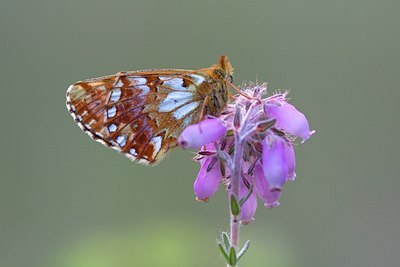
(139, 113)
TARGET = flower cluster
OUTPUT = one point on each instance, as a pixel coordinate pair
(252, 140)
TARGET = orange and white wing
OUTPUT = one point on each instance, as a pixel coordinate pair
(140, 114)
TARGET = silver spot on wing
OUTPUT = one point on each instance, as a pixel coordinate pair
(185, 110)
(115, 95)
(174, 100)
(111, 112)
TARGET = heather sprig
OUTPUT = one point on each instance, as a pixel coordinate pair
(250, 149)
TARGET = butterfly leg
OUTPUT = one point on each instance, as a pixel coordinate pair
(203, 110)
(231, 96)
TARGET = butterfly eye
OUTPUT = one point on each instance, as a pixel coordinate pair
(220, 73)
(231, 78)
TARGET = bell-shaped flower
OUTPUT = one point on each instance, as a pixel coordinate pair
(249, 207)
(291, 162)
(289, 119)
(274, 162)
(208, 179)
(263, 189)
(207, 131)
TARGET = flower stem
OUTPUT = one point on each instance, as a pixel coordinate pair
(235, 180)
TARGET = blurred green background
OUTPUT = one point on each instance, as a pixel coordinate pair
(66, 201)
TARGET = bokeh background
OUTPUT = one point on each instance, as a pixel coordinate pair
(66, 201)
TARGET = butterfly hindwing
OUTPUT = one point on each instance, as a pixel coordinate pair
(138, 113)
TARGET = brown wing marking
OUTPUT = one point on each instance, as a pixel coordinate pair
(134, 100)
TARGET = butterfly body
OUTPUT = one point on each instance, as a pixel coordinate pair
(142, 113)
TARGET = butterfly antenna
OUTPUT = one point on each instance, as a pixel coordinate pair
(240, 92)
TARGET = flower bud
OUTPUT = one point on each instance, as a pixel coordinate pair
(207, 131)
(208, 179)
(263, 190)
(289, 119)
(274, 162)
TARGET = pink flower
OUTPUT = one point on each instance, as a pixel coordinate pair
(208, 179)
(291, 161)
(205, 132)
(249, 207)
(288, 118)
(274, 162)
(263, 189)
(262, 130)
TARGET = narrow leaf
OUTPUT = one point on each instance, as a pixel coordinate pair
(223, 252)
(231, 150)
(252, 166)
(206, 153)
(244, 249)
(232, 257)
(223, 144)
(211, 164)
(246, 197)
(265, 125)
(237, 117)
(226, 240)
(222, 167)
(235, 210)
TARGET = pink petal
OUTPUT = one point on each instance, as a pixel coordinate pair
(274, 163)
(291, 162)
(289, 119)
(207, 182)
(249, 207)
(202, 133)
(263, 189)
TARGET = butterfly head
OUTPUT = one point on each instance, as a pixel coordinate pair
(223, 70)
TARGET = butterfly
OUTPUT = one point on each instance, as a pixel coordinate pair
(142, 113)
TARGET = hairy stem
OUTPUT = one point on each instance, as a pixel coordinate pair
(241, 128)
(235, 180)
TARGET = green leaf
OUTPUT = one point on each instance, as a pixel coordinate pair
(237, 117)
(235, 209)
(244, 249)
(232, 257)
(223, 252)
(231, 150)
(222, 167)
(265, 125)
(243, 200)
(226, 240)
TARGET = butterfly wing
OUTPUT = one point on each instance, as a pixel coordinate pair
(140, 114)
